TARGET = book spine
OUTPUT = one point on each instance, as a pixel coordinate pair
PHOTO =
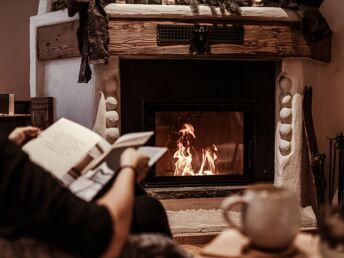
(42, 112)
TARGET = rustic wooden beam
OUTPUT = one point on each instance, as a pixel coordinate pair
(133, 32)
(139, 38)
(58, 41)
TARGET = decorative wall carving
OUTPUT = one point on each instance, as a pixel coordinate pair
(286, 114)
(289, 127)
(107, 83)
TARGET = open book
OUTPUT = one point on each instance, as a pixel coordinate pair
(80, 158)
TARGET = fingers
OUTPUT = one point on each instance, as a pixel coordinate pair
(128, 157)
(133, 158)
(17, 136)
(21, 135)
(142, 167)
(31, 131)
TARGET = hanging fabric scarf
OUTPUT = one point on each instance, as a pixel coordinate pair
(93, 34)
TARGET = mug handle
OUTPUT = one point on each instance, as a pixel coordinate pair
(229, 204)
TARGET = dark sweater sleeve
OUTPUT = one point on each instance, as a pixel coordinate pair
(34, 203)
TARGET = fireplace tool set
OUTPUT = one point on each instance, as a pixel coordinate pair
(336, 168)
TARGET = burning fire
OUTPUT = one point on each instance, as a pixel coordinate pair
(184, 156)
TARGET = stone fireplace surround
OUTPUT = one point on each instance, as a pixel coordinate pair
(57, 77)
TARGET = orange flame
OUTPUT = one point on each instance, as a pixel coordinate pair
(208, 158)
(183, 155)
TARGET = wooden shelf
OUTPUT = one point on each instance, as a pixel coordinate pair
(15, 117)
(9, 122)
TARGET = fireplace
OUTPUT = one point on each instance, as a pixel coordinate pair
(216, 117)
(208, 142)
(269, 34)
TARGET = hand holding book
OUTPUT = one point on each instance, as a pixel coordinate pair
(137, 161)
(84, 162)
(21, 135)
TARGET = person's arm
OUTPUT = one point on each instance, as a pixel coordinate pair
(34, 203)
(119, 199)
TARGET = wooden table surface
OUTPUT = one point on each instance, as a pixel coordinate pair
(230, 244)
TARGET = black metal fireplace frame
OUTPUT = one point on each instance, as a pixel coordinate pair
(149, 107)
(206, 81)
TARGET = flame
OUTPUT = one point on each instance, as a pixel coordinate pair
(184, 159)
(208, 158)
(183, 155)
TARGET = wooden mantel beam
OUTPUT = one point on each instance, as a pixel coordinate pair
(269, 33)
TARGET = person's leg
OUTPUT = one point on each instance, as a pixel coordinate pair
(139, 191)
(150, 217)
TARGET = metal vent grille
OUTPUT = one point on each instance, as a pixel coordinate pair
(234, 35)
(168, 34)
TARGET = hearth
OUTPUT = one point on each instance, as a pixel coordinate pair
(216, 117)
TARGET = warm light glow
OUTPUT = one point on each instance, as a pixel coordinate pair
(184, 159)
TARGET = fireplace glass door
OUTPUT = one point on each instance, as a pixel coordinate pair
(206, 143)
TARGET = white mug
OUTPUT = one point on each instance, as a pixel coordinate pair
(270, 216)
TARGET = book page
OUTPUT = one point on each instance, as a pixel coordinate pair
(89, 184)
(61, 146)
(154, 153)
(134, 139)
(112, 156)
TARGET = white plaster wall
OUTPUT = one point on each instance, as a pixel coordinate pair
(75, 101)
(58, 78)
(328, 79)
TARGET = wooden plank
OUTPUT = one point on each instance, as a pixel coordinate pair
(58, 41)
(138, 38)
(168, 12)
